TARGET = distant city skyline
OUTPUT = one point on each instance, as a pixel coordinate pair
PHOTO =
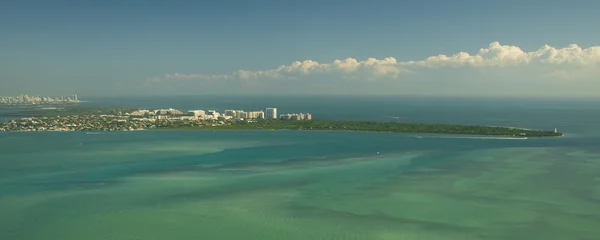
(37, 99)
(424, 48)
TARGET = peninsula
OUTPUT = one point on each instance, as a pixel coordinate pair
(374, 126)
(127, 119)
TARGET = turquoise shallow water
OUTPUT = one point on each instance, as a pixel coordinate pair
(296, 185)
(310, 185)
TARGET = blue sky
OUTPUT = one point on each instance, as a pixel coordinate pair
(195, 47)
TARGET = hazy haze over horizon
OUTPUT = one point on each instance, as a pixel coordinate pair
(427, 48)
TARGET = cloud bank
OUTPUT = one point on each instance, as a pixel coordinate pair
(497, 64)
(387, 67)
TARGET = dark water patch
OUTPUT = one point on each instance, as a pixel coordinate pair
(426, 167)
(387, 187)
(306, 162)
(441, 160)
(262, 166)
(230, 190)
(36, 187)
(375, 219)
(109, 174)
(593, 218)
(438, 169)
(570, 174)
(45, 209)
(541, 228)
(77, 185)
(498, 199)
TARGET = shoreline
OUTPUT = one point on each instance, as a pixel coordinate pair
(367, 126)
(426, 135)
(461, 135)
(347, 126)
(229, 128)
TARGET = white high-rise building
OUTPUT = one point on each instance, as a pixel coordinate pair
(271, 113)
(255, 114)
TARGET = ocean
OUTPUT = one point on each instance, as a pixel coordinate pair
(169, 184)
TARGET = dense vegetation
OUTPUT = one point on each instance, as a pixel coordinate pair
(379, 126)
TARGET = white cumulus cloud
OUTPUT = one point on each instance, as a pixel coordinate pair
(497, 55)
(563, 61)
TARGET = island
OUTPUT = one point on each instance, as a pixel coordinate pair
(130, 119)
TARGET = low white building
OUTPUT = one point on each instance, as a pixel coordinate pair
(196, 113)
(169, 111)
(141, 113)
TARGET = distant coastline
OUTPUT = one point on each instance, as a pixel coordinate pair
(392, 127)
(429, 135)
(101, 119)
